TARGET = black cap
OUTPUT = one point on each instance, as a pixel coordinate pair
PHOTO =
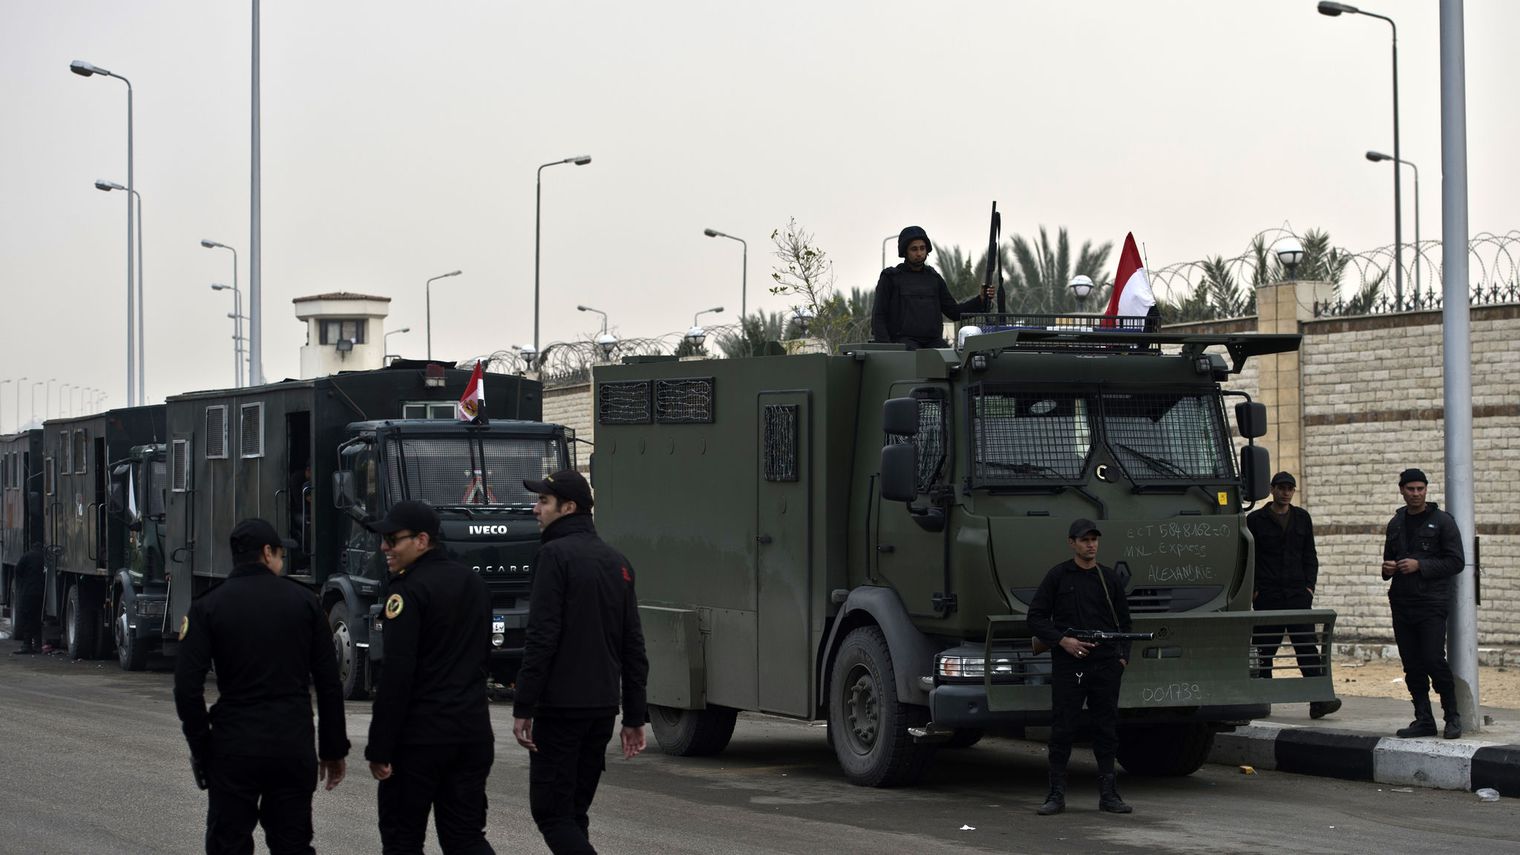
(1412, 475)
(909, 235)
(566, 485)
(1081, 527)
(417, 517)
(252, 535)
(1284, 477)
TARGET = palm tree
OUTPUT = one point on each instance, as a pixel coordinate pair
(754, 332)
(1039, 279)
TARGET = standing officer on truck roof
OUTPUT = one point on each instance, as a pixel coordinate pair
(1287, 569)
(584, 644)
(270, 644)
(1422, 551)
(1080, 593)
(430, 741)
(911, 297)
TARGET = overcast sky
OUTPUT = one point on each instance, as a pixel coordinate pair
(400, 141)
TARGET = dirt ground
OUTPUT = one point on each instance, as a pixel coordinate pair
(1384, 678)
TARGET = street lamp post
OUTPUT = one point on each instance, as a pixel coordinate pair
(1331, 9)
(744, 269)
(606, 341)
(134, 196)
(237, 331)
(1081, 285)
(35, 384)
(538, 206)
(85, 69)
(18, 403)
(1376, 156)
(237, 299)
(429, 289)
(884, 241)
(697, 335)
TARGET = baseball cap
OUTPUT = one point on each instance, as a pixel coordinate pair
(1082, 526)
(566, 485)
(252, 535)
(418, 517)
(1284, 477)
(1412, 475)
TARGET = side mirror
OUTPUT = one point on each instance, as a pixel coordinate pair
(1251, 419)
(1255, 472)
(115, 502)
(346, 496)
(899, 470)
(899, 416)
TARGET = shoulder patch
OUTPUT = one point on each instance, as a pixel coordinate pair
(393, 606)
(184, 627)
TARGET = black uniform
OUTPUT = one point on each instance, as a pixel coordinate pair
(28, 605)
(909, 303)
(432, 721)
(1420, 601)
(585, 652)
(270, 644)
(1072, 598)
(1287, 567)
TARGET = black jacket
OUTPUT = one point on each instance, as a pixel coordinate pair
(1285, 558)
(1072, 598)
(909, 303)
(270, 643)
(437, 657)
(1437, 545)
(584, 640)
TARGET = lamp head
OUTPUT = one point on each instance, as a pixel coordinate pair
(608, 343)
(1081, 285)
(454, 273)
(696, 335)
(1290, 252)
(402, 330)
(579, 160)
(217, 286)
(209, 244)
(1376, 156)
(84, 69)
(1326, 7)
(712, 233)
(107, 186)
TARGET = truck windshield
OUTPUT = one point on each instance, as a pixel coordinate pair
(1026, 436)
(470, 471)
(158, 471)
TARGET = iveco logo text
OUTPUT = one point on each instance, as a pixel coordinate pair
(488, 529)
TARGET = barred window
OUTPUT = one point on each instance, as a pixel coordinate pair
(64, 447)
(179, 465)
(216, 432)
(454, 471)
(251, 430)
(49, 476)
(81, 451)
(930, 442)
(1029, 435)
(1175, 436)
(687, 401)
(623, 403)
(780, 442)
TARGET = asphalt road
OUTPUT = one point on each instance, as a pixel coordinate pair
(91, 760)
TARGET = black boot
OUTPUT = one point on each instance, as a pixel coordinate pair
(1453, 729)
(1055, 802)
(1424, 723)
(1108, 796)
(1320, 709)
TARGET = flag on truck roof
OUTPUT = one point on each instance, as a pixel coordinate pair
(1132, 295)
(472, 404)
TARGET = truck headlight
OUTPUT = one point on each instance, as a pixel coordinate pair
(960, 667)
(150, 608)
(498, 639)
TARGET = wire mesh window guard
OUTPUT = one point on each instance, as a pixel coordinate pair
(687, 401)
(454, 471)
(216, 432)
(624, 403)
(781, 442)
(1029, 435)
(1161, 437)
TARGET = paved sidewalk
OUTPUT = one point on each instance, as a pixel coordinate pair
(1357, 744)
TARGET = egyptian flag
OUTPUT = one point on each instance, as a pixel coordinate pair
(1132, 297)
(472, 404)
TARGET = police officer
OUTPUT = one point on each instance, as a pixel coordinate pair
(1080, 593)
(911, 297)
(430, 741)
(584, 645)
(1422, 551)
(27, 609)
(1287, 570)
(269, 642)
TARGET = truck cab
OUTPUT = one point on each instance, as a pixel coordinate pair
(140, 590)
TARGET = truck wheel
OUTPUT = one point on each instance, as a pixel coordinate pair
(868, 723)
(1165, 750)
(131, 652)
(81, 623)
(692, 733)
(350, 661)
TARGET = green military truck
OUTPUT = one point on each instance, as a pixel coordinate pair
(855, 537)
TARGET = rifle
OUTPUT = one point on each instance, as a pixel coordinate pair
(993, 257)
(1092, 636)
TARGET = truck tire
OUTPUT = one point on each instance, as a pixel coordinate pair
(81, 623)
(131, 652)
(1165, 750)
(692, 733)
(868, 722)
(350, 662)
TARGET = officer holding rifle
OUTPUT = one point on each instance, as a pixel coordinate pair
(1077, 597)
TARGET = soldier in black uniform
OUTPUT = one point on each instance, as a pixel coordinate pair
(430, 742)
(1422, 551)
(1082, 594)
(911, 297)
(584, 644)
(1287, 571)
(26, 611)
(269, 642)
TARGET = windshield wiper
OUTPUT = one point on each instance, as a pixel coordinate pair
(1156, 463)
(1022, 468)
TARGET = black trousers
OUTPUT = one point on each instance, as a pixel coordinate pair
(271, 791)
(1301, 635)
(1095, 683)
(448, 781)
(562, 778)
(1420, 631)
(27, 612)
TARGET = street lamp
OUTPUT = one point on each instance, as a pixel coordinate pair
(133, 195)
(35, 384)
(1376, 156)
(1290, 251)
(47, 397)
(1081, 285)
(606, 341)
(884, 241)
(388, 335)
(18, 402)
(538, 206)
(696, 335)
(429, 288)
(237, 331)
(743, 272)
(1326, 7)
(85, 69)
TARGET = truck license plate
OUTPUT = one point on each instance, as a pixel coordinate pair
(498, 623)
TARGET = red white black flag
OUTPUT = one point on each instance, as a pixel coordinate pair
(472, 405)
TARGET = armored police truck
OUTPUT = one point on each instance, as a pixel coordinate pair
(321, 458)
(20, 506)
(857, 537)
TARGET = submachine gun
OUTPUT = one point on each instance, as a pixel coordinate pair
(1093, 636)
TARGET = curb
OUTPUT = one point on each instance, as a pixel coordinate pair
(1427, 762)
